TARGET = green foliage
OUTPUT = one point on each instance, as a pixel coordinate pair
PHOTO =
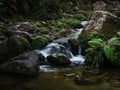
(109, 52)
(42, 30)
(110, 49)
(24, 45)
(94, 52)
(114, 41)
(94, 34)
(39, 42)
(68, 23)
(41, 8)
(100, 50)
(80, 17)
(95, 42)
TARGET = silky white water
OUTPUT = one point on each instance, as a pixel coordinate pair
(57, 47)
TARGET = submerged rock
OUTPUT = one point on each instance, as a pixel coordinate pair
(27, 64)
(87, 77)
(58, 59)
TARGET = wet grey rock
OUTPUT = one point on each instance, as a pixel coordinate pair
(12, 47)
(58, 59)
(27, 64)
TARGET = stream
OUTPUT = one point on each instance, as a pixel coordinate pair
(54, 78)
(57, 47)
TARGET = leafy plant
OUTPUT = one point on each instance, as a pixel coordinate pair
(109, 52)
(92, 54)
(100, 50)
(95, 42)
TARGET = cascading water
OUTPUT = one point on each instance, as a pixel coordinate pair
(57, 47)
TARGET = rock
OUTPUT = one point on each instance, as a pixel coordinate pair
(74, 46)
(22, 26)
(70, 75)
(39, 42)
(118, 34)
(105, 23)
(98, 19)
(27, 64)
(58, 59)
(22, 29)
(13, 46)
(2, 31)
(89, 77)
(22, 34)
(87, 80)
(99, 5)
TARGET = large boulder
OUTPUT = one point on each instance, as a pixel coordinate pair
(24, 29)
(12, 47)
(103, 22)
(58, 59)
(99, 5)
(27, 64)
(21, 26)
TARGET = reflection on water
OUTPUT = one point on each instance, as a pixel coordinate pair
(58, 81)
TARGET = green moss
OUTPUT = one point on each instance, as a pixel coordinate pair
(23, 45)
(80, 17)
(39, 42)
(74, 45)
(68, 23)
(42, 30)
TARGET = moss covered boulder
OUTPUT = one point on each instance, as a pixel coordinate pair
(103, 22)
(13, 46)
(58, 59)
(39, 42)
(27, 64)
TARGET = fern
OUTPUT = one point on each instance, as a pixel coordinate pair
(95, 42)
(114, 41)
(109, 52)
(89, 50)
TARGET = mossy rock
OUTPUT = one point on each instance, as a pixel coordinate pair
(39, 42)
(42, 30)
(107, 29)
(58, 59)
(26, 64)
(80, 17)
(68, 23)
(24, 45)
(74, 45)
(74, 23)
(13, 46)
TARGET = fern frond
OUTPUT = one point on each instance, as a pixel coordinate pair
(89, 50)
(95, 42)
(109, 52)
(114, 41)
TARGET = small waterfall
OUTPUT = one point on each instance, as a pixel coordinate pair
(57, 47)
(79, 50)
